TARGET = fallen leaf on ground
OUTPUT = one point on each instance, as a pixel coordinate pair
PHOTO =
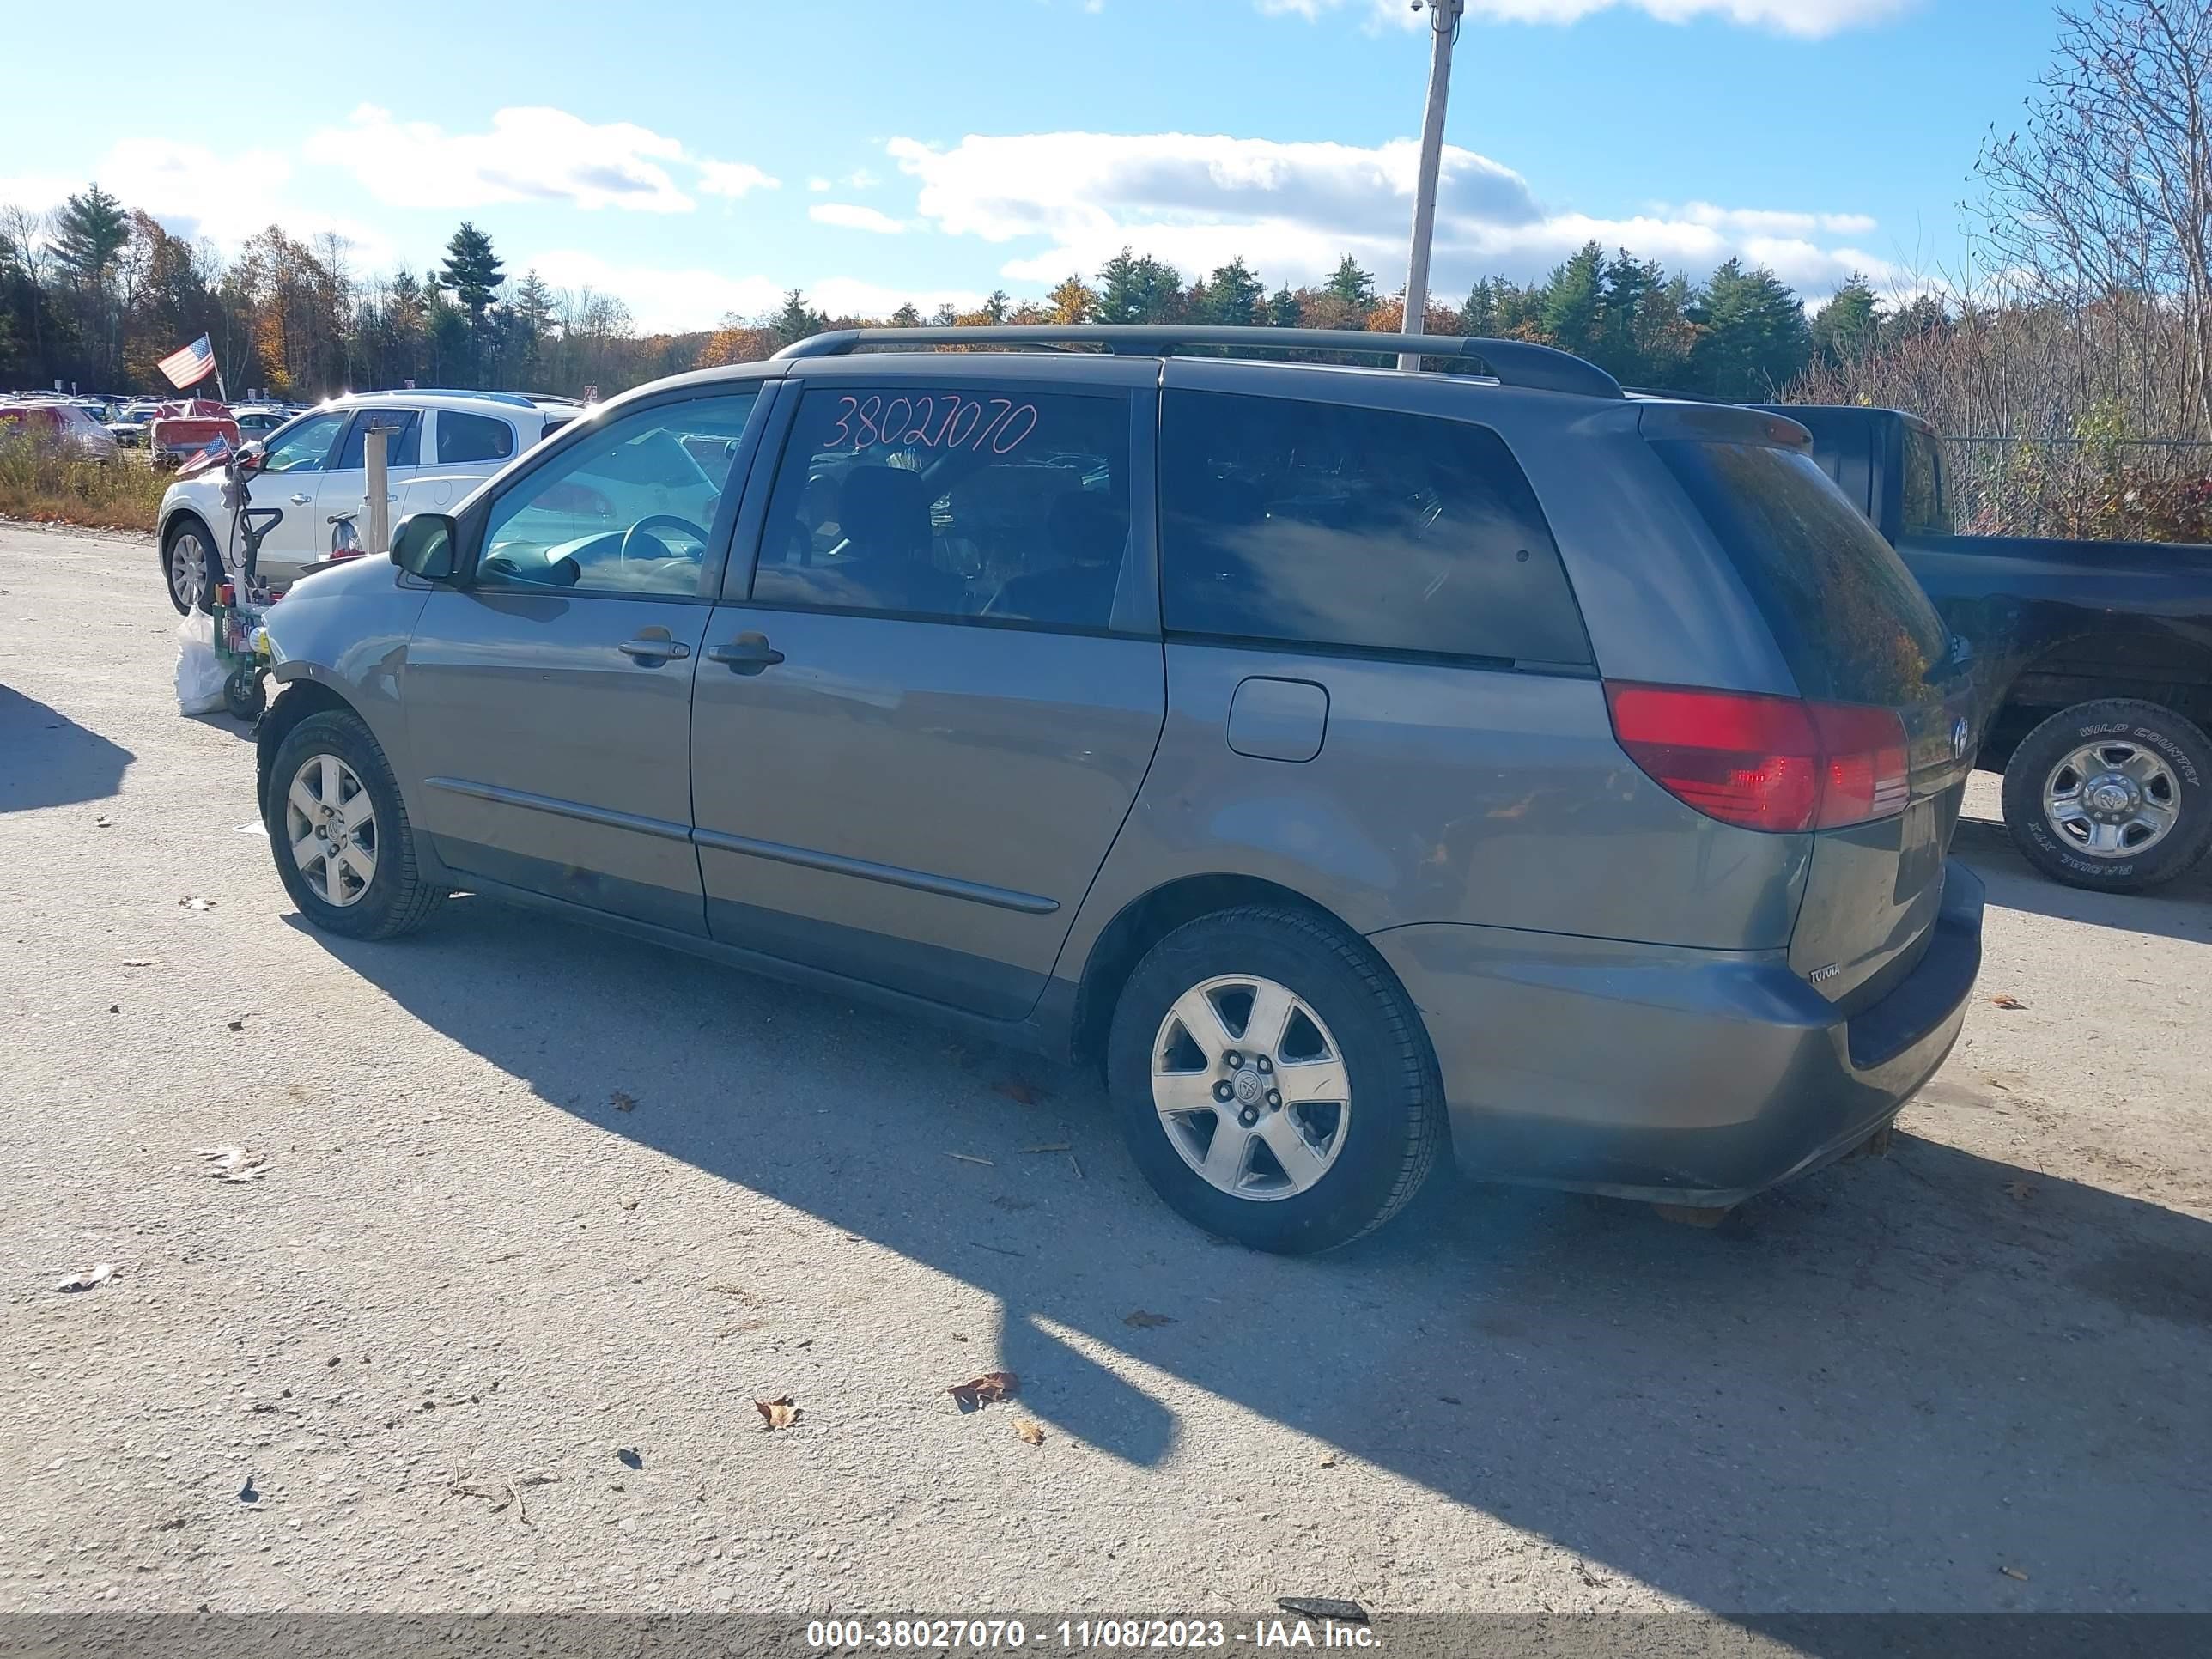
(969, 1157)
(2008, 1001)
(238, 1025)
(1029, 1429)
(2013, 1573)
(192, 903)
(981, 1391)
(777, 1413)
(630, 1203)
(622, 1103)
(1328, 1460)
(103, 822)
(1049, 1146)
(141, 962)
(1323, 1607)
(2019, 1189)
(90, 1278)
(959, 1336)
(233, 1164)
(1020, 1090)
(1145, 1322)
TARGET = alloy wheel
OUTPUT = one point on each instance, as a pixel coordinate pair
(330, 823)
(1251, 1088)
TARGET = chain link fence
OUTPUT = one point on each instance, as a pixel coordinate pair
(2095, 488)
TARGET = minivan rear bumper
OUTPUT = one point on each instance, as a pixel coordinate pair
(1693, 1077)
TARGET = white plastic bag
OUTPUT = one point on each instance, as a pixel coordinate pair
(199, 671)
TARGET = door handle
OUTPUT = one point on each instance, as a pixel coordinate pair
(653, 645)
(302, 501)
(748, 653)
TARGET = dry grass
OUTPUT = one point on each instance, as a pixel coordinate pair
(40, 481)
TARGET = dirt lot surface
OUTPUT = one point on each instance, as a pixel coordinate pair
(546, 1212)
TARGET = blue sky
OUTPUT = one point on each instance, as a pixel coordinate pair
(695, 159)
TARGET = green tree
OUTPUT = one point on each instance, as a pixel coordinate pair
(1349, 283)
(1846, 328)
(90, 231)
(1137, 289)
(1283, 310)
(1233, 296)
(906, 316)
(1574, 296)
(1753, 339)
(471, 271)
(1630, 285)
(795, 319)
(996, 306)
(1478, 318)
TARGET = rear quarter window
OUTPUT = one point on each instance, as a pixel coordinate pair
(466, 438)
(1850, 622)
(1317, 524)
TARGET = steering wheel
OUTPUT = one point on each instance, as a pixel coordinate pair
(622, 554)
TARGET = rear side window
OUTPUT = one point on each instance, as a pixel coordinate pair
(1305, 523)
(463, 438)
(1927, 510)
(1851, 623)
(402, 449)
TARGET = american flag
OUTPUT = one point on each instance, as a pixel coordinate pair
(191, 366)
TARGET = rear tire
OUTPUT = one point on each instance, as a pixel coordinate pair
(1348, 1166)
(331, 758)
(2135, 740)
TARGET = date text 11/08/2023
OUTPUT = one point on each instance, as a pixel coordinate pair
(1085, 1635)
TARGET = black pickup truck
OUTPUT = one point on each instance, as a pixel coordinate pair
(2092, 660)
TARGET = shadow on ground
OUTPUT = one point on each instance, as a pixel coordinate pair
(1879, 1388)
(47, 759)
(2181, 909)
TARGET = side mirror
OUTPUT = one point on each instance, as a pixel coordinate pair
(423, 546)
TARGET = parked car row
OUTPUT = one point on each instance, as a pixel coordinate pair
(55, 422)
(1358, 766)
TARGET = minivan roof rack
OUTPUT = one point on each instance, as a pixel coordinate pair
(1510, 362)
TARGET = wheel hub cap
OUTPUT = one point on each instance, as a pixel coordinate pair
(2116, 798)
(1250, 1087)
(330, 823)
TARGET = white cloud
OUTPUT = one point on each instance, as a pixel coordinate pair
(861, 178)
(850, 215)
(529, 154)
(818, 184)
(1292, 209)
(674, 300)
(192, 192)
(733, 178)
(1810, 19)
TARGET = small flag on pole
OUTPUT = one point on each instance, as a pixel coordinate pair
(191, 366)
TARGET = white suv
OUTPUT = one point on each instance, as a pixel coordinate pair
(442, 445)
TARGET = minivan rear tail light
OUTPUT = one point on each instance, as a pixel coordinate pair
(1772, 764)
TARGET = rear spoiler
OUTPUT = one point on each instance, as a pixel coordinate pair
(1720, 423)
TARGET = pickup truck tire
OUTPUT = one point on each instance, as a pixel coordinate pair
(2157, 766)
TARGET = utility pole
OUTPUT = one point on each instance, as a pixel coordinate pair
(1443, 26)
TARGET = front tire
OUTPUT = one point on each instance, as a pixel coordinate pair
(1273, 1082)
(190, 568)
(2114, 795)
(338, 831)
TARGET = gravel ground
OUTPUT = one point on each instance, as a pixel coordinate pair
(546, 1212)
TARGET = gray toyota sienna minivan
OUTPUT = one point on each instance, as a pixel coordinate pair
(1357, 762)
